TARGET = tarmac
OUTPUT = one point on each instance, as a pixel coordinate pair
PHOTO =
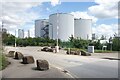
(18, 70)
(96, 66)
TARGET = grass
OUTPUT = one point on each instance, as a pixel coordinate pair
(75, 49)
(103, 51)
(96, 51)
(3, 61)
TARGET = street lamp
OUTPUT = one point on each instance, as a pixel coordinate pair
(110, 41)
(57, 46)
(15, 42)
(15, 38)
(2, 34)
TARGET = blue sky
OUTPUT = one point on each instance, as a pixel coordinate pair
(68, 7)
(104, 14)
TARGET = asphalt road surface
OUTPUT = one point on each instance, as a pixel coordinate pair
(94, 66)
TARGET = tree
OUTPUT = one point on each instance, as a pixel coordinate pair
(116, 44)
(97, 45)
(78, 43)
(103, 37)
(8, 39)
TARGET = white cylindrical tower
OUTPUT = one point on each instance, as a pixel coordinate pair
(65, 24)
(83, 28)
(39, 25)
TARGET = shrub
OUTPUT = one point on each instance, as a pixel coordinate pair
(3, 62)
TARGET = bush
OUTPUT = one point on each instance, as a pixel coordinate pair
(3, 62)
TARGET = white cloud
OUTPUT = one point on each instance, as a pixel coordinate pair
(105, 9)
(55, 2)
(47, 9)
(107, 30)
(32, 31)
(25, 1)
(25, 34)
(84, 15)
(16, 14)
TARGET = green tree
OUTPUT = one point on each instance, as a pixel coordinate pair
(103, 37)
(116, 44)
(8, 39)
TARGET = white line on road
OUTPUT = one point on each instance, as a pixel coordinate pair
(68, 72)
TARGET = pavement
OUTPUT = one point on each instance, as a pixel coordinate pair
(18, 70)
(76, 66)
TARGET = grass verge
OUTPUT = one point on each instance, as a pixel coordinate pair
(3, 61)
(103, 51)
(96, 51)
(75, 49)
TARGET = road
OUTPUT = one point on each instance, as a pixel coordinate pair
(78, 66)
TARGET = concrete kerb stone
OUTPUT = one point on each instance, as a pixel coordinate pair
(28, 59)
(42, 64)
(11, 54)
(18, 55)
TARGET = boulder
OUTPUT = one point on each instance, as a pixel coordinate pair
(11, 53)
(45, 49)
(77, 52)
(73, 52)
(52, 46)
(68, 51)
(42, 64)
(50, 50)
(28, 60)
(84, 53)
(18, 55)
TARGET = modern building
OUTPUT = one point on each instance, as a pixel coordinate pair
(83, 28)
(28, 33)
(61, 26)
(119, 30)
(3, 30)
(41, 28)
(20, 33)
(93, 36)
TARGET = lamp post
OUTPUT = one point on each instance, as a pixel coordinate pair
(15, 42)
(2, 34)
(15, 38)
(57, 46)
(110, 41)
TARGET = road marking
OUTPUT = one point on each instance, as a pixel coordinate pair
(68, 72)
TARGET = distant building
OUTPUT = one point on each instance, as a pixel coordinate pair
(104, 41)
(62, 26)
(41, 28)
(3, 30)
(83, 28)
(93, 36)
(20, 33)
(28, 33)
(118, 31)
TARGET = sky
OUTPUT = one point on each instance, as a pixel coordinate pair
(21, 14)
